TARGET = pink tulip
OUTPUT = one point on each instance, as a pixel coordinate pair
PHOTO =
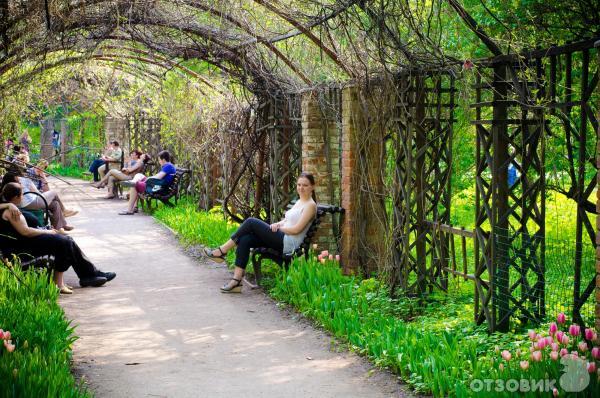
(553, 328)
(574, 330)
(337, 257)
(554, 355)
(596, 352)
(7, 335)
(554, 346)
(531, 334)
(583, 347)
(506, 355)
(536, 356)
(320, 257)
(590, 334)
(561, 318)
(524, 365)
(559, 335)
(565, 339)
(555, 392)
(537, 345)
(549, 340)
(331, 257)
(574, 354)
(9, 346)
(563, 352)
(325, 253)
(1, 334)
(591, 367)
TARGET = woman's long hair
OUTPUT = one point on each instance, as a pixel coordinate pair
(310, 179)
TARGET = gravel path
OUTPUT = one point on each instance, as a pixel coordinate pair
(163, 329)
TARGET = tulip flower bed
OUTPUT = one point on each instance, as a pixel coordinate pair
(35, 353)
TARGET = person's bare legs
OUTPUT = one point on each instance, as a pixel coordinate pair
(60, 283)
(133, 198)
(238, 274)
(223, 249)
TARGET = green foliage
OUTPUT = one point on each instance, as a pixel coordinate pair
(69, 171)
(40, 364)
(196, 227)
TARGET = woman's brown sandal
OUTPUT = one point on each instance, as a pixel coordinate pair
(209, 253)
(228, 288)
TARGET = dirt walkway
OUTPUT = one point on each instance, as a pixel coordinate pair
(163, 329)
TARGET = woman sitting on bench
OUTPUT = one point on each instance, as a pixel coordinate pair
(284, 236)
(136, 164)
(17, 238)
(163, 178)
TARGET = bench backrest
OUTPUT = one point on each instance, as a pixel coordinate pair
(173, 188)
(322, 210)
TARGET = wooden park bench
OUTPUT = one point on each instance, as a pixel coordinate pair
(260, 253)
(166, 193)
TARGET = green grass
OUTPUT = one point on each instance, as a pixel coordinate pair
(40, 364)
(69, 171)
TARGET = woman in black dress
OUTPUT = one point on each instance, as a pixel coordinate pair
(19, 239)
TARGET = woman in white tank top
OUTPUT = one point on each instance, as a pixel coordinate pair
(284, 236)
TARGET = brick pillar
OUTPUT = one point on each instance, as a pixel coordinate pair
(364, 243)
(350, 240)
(320, 157)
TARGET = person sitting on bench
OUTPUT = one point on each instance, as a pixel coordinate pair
(284, 236)
(136, 163)
(18, 239)
(58, 212)
(162, 179)
(112, 154)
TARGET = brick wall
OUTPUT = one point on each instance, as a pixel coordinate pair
(320, 157)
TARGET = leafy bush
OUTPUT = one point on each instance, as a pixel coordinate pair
(35, 357)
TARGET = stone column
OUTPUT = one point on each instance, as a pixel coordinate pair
(320, 157)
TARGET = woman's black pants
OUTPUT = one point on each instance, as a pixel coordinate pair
(65, 251)
(255, 233)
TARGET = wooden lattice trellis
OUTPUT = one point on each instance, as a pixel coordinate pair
(510, 220)
(423, 147)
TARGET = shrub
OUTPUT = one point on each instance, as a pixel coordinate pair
(35, 357)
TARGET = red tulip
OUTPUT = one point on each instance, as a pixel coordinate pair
(559, 335)
(553, 328)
